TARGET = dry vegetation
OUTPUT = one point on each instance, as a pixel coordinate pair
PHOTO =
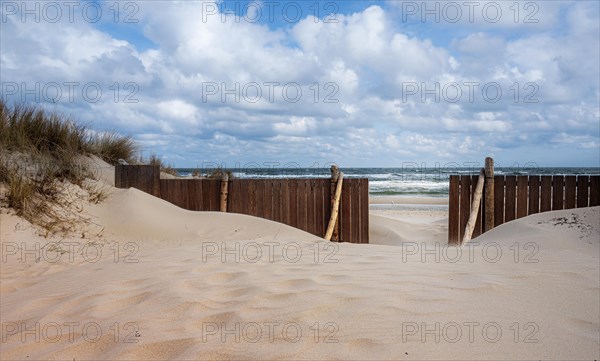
(42, 163)
(156, 160)
(43, 169)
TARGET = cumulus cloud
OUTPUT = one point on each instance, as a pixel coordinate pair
(372, 88)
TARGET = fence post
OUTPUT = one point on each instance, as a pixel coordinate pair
(335, 174)
(224, 184)
(489, 194)
(336, 207)
(474, 208)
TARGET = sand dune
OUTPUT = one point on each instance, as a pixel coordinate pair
(173, 284)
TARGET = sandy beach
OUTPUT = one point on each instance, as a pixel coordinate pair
(299, 180)
(147, 280)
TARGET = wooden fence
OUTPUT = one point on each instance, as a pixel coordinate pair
(302, 203)
(517, 196)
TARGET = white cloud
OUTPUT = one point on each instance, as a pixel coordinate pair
(177, 110)
(368, 56)
(296, 126)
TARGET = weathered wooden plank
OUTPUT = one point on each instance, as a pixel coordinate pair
(119, 176)
(365, 210)
(311, 222)
(233, 197)
(246, 203)
(184, 194)
(240, 197)
(355, 215)
(270, 201)
(269, 204)
(570, 191)
(546, 193)
(171, 195)
(488, 195)
(126, 176)
(465, 203)
(594, 191)
(522, 193)
(169, 191)
(215, 193)
(558, 192)
(583, 191)
(137, 178)
(261, 196)
(173, 191)
(191, 194)
(285, 202)
(176, 194)
(293, 189)
(276, 199)
(155, 171)
(345, 221)
(326, 205)
(453, 210)
(245, 189)
(319, 205)
(164, 190)
(204, 195)
(301, 197)
(358, 210)
(185, 190)
(346, 199)
(499, 187)
(178, 199)
(119, 169)
(252, 197)
(534, 194)
(510, 198)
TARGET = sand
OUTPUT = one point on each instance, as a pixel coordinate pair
(153, 281)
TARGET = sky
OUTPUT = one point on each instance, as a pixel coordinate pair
(356, 83)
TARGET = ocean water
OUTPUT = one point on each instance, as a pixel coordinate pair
(408, 181)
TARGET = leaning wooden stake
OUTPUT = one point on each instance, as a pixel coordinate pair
(489, 194)
(474, 208)
(336, 207)
(224, 184)
(335, 175)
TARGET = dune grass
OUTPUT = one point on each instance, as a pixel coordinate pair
(112, 147)
(31, 129)
(154, 159)
(40, 151)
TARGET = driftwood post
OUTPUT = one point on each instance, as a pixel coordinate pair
(474, 208)
(335, 174)
(489, 194)
(224, 186)
(336, 207)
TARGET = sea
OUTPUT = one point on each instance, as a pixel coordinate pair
(405, 181)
